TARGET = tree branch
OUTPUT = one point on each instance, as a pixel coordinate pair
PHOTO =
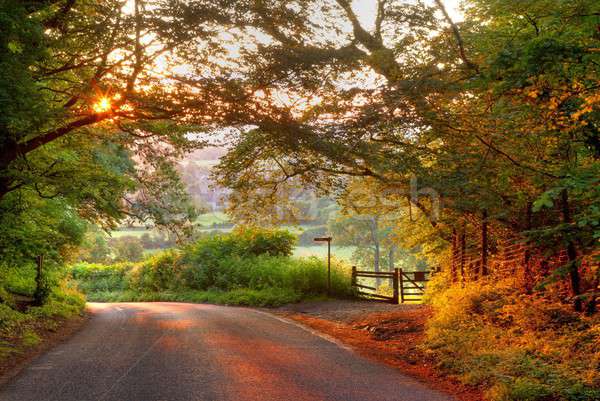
(457, 36)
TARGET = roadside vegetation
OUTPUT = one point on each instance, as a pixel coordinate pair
(244, 267)
(416, 135)
(514, 346)
(23, 321)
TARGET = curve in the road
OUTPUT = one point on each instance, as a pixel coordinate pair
(185, 352)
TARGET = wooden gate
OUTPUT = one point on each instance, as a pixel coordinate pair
(356, 274)
(412, 285)
(407, 286)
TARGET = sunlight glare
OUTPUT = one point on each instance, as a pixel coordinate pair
(103, 105)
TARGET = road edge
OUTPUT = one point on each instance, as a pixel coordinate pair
(67, 328)
(461, 393)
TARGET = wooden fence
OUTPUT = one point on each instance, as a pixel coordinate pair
(406, 285)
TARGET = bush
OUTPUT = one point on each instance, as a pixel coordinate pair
(518, 347)
(210, 261)
(92, 277)
(159, 272)
(19, 280)
(251, 267)
(20, 329)
(10, 319)
(62, 302)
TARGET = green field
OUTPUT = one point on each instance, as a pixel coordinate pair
(132, 233)
(205, 222)
(208, 219)
(339, 252)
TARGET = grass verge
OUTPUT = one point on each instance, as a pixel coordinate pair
(268, 297)
(24, 327)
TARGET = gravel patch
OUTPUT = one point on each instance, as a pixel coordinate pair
(343, 311)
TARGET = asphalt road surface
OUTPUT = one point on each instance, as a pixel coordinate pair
(177, 352)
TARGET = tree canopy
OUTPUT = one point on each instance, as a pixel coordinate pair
(495, 115)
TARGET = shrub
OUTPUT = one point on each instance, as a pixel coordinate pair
(159, 272)
(10, 319)
(62, 302)
(20, 280)
(518, 347)
(209, 262)
(256, 241)
(254, 264)
(6, 297)
(20, 329)
(98, 277)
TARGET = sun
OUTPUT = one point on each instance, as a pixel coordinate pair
(102, 105)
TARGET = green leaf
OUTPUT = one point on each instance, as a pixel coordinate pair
(543, 201)
(15, 47)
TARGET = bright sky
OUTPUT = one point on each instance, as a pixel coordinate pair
(367, 10)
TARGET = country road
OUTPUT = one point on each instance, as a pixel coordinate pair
(177, 352)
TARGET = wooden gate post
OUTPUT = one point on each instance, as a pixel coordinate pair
(396, 284)
(353, 280)
(401, 284)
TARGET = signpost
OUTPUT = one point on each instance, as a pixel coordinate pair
(328, 240)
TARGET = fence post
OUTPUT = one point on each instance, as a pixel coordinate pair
(396, 284)
(353, 281)
(401, 285)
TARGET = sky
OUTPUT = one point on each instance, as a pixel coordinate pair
(367, 9)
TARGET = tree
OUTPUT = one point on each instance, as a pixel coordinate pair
(480, 111)
(128, 249)
(96, 74)
(95, 247)
(87, 129)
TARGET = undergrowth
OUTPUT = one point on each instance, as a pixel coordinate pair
(22, 329)
(517, 347)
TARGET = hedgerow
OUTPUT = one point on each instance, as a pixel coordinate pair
(245, 267)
